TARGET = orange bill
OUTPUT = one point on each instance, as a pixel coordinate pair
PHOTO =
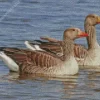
(83, 34)
(98, 20)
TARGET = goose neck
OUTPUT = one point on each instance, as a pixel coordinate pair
(68, 47)
(91, 39)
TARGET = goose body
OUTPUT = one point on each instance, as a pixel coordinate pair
(30, 62)
(84, 56)
(93, 58)
(47, 64)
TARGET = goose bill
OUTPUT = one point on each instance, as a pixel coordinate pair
(98, 20)
(82, 34)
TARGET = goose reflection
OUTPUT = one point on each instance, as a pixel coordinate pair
(94, 79)
(65, 85)
(60, 85)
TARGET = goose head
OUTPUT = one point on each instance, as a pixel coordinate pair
(74, 33)
(92, 19)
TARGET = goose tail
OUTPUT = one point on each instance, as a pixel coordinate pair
(11, 64)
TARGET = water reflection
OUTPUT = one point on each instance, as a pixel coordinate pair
(69, 86)
(62, 85)
(94, 80)
(59, 78)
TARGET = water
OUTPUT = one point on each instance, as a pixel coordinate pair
(22, 20)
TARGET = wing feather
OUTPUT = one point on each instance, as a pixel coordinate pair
(56, 48)
(35, 58)
(80, 51)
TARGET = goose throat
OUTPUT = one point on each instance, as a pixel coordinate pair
(68, 47)
(91, 40)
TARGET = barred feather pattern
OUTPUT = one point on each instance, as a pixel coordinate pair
(79, 50)
(34, 61)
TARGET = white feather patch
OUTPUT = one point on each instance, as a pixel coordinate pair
(34, 47)
(29, 46)
(9, 62)
(38, 48)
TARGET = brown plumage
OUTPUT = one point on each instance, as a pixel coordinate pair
(80, 52)
(56, 48)
(45, 62)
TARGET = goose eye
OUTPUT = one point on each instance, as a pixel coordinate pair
(73, 30)
(93, 16)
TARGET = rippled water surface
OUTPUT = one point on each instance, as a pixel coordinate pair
(22, 20)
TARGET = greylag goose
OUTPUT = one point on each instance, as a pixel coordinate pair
(83, 55)
(27, 61)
